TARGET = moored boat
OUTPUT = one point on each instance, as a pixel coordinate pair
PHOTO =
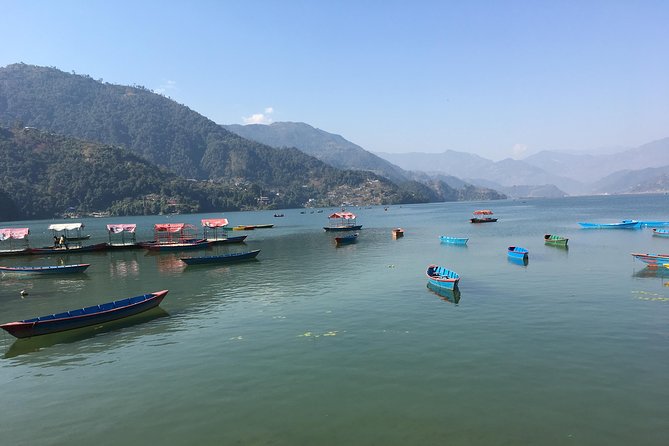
(516, 252)
(122, 236)
(174, 237)
(453, 240)
(72, 232)
(397, 233)
(555, 240)
(225, 258)
(346, 239)
(14, 241)
(442, 277)
(222, 241)
(661, 232)
(83, 317)
(483, 216)
(342, 221)
(652, 260)
(625, 224)
(44, 270)
(176, 246)
(67, 249)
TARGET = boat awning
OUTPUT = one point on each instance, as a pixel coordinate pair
(344, 215)
(118, 228)
(483, 212)
(215, 222)
(172, 227)
(14, 233)
(66, 226)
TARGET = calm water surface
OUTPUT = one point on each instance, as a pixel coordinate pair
(313, 344)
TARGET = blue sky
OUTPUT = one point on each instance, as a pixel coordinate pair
(496, 78)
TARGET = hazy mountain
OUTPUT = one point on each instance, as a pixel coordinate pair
(328, 147)
(481, 171)
(590, 168)
(654, 179)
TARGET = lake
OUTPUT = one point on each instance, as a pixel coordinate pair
(314, 344)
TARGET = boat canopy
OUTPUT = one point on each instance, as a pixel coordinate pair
(483, 212)
(214, 222)
(171, 227)
(344, 215)
(118, 228)
(66, 226)
(14, 233)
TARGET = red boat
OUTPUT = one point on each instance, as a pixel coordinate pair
(483, 216)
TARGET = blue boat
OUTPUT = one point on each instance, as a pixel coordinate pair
(346, 239)
(661, 232)
(225, 258)
(44, 270)
(625, 224)
(653, 224)
(516, 252)
(453, 240)
(442, 278)
(84, 317)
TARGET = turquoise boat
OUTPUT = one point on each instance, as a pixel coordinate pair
(661, 232)
(453, 240)
(625, 224)
(516, 252)
(442, 278)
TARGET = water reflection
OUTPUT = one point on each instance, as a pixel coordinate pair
(652, 272)
(124, 268)
(452, 296)
(169, 263)
(37, 343)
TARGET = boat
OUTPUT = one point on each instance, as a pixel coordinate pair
(69, 249)
(278, 215)
(453, 240)
(342, 221)
(346, 239)
(483, 216)
(44, 270)
(263, 226)
(625, 224)
(555, 240)
(14, 241)
(225, 258)
(653, 224)
(652, 260)
(243, 228)
(71, 231)
(127, 236)
(397, 233)
(83, 317)
(661, 232)
(215, 229)
(516, 252)
(174, 237)
(442, 278)
(221, 241)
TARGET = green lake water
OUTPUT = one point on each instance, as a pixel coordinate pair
(316, 345)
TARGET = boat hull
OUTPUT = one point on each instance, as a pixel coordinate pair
(84, 317)
(442, 278)
(661, 232)
(516, 252)
(70, 250)
(622, 225)
(222, 241)
(201, 244)
(226, 258)
(453, 240)
(482, 220)
(652, 260)
(44, 270)
(555, 240)
(342, 228)
(346, 240)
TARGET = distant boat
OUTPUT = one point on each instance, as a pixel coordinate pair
(453, 240)
(653, 224)
(516, 252)
(442, 278)
(225, 258)
(661, 232)
(555, 240)
(625, 224)
(84, 317)
(44, 270)
(346, 239)
(397, 233)
(483, 216)
(652, 260)
(278, 215)
(342, 221)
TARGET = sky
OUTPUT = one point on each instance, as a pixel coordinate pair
(495, 78)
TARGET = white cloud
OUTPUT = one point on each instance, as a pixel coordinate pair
(519, 150)
(165, 87)
(259, 118)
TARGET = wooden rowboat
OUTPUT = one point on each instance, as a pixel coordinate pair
(346, 239)
(625, 224)
(516, 252)
(661, 232)
(453, 240)
(225, 258)
(397, 233)
(44, 270)
(441, 277)
(555, 240)
(84, 317)
(652, 260)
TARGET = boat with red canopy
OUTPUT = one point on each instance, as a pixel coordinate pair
(215, 231)
(342, 221)
(14, 241)
(174, 237)
(483, 216)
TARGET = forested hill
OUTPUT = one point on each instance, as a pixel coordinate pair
(43, 175)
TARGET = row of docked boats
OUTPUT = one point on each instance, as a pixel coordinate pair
(549, 239)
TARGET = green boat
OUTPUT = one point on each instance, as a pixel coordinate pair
(555, 240)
